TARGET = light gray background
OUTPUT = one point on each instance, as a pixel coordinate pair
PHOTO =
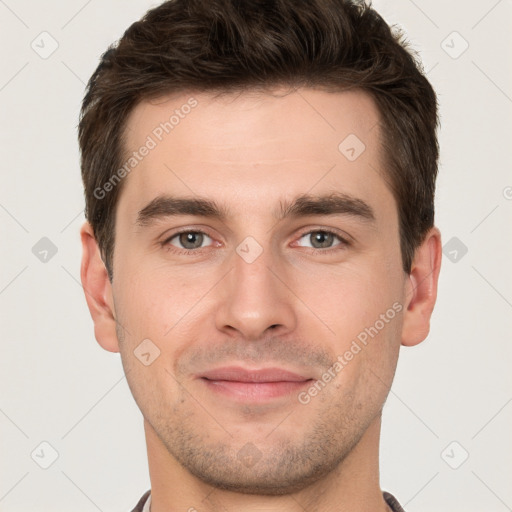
(59, 386)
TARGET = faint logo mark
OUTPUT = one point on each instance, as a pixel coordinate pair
(249, 249)
(507, 193)
(44, 250)
(249, 455)
(455, 249)
(44, 455)
(351, 147)
(455, 455)
(454, 45)
(146, 352)
(44, 45)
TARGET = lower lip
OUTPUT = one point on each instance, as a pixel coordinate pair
(255, 391)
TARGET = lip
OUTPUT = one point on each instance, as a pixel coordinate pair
(260, 384)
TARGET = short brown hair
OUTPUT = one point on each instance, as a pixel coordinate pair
(233, 45)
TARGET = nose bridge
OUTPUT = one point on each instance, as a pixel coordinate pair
(251, 274)
(253, 299)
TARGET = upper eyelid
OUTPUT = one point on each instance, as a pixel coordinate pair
(166, 237)
(347, 240)
(323, 230)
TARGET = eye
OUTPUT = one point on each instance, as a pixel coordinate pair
(189, 240)
(321, 239)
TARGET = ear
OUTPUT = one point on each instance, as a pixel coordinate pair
(421, 289)
(98, 291)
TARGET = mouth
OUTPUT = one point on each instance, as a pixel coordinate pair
(254, 385)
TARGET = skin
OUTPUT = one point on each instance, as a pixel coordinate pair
(296, 306)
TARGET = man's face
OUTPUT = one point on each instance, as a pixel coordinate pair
(234, 302)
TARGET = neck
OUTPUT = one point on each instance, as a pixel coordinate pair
(353, 485)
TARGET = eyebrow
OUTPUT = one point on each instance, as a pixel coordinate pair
(304, 205)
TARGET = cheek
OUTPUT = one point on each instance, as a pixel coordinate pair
(348, 298)
(367, 361)
(153, 301)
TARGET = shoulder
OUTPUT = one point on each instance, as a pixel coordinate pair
(392, 502)
(140, 505)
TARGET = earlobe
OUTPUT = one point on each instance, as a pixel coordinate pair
(98, 291)
(421, 290)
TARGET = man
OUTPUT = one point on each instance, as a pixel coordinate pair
(259, 182)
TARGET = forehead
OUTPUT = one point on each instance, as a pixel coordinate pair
(253, 148)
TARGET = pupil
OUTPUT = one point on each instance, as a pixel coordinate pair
(322, 239)
(191, 240)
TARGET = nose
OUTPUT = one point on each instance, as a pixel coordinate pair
(255, 298)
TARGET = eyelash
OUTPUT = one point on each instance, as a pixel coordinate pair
(344, 243)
